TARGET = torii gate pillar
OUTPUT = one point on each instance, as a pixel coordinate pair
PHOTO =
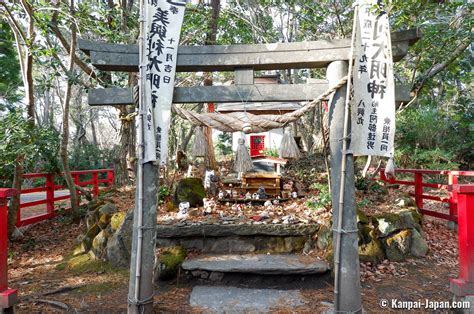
(350, 300)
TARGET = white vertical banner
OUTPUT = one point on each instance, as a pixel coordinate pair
(373, 104)
(163, 21)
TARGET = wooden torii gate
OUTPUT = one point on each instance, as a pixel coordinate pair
(244, 60)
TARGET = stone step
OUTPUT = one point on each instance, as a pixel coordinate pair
(262, 264)
(243, 300)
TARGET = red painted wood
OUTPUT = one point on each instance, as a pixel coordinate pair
(464, 285)
(95, 184)
(211, 107)
(5, 293)
(50, 187)
(452, 200)
(419, 190)
(429, 171)
(257, 145)
(431, 197)
(453, 196)
(50, 193)
(436, 214)
(34, 203)
(33, 190)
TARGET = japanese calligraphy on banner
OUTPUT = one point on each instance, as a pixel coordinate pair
(373, 104)
(163, 20)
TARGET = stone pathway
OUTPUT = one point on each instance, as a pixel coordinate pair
(238, 300)
(261, 264)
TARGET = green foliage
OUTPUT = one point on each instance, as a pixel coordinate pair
(323, 199)
(87, 156)
(38, 145)
(431, 138)
(10, 79)
(271, 152)
(365, 184)
(224, 143)
(163, 193)
(363, 203)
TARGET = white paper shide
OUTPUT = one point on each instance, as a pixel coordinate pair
(373, 104)
(163, 22)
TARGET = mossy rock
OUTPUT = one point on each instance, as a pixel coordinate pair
(362, 217)
(411, 218)
(329, 257)
(405, 201)
(170, 207)
(364, 234)
(83, 247)
(116, 220)
(94, 204)
(93, 231)
(294, 244)
(99, 246)
(119, 244)
(398, 246)
(276, 245)
(108, 209)
(169, 261)
(419, 246)
(372, 251)
(324, 240)
(90, 220)
(104, 221)
(387, 223)
(190, 190)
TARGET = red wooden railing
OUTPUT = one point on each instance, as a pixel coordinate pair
(464, 284)
(419, 195)
(8, 297)
(50, 187)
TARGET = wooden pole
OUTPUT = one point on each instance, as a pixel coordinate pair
(141, 290)
(349, 275)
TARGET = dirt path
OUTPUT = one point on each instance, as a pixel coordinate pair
(41, 263)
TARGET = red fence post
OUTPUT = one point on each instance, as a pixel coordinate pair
(464, 285)
(453, 198)
(419, 190)
(95, 184)
(50, 194)
(8, 297)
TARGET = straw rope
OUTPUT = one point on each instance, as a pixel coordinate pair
(234, 121)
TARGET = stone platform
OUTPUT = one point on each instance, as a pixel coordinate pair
(238, 238)
(261, 264)
(240, 300)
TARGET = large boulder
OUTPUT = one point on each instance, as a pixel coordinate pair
(117, 220)
(419, 247)
(362, 217)
(324, 240)
(371, 251)
(387, 223)
(119, 245)
(168, 263)
(397, 246)
(99, 246)
(411, 218)
(108, 209)
(190, 190)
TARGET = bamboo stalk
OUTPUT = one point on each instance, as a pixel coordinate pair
(337, 255)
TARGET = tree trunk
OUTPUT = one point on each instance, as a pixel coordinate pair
(47, 108)
(15, 204)
(211, 36)
(94, 133)
(65, 138)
